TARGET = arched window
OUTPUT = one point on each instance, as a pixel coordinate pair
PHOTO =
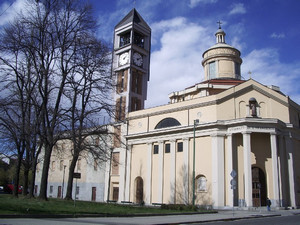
(201, 183)
(167, 122)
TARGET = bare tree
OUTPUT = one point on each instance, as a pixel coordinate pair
(17, 87)
(87, 93)
(47, 36)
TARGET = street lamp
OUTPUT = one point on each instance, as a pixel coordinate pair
(63, 184)
(195, 123)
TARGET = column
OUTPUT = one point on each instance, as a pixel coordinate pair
(161, 171)
(290, 162)
(128, 173)
(186, 151)
(229, 169)
(247, 168)
(218, 170)
(149, 174)
(173, 172)
(273, 140)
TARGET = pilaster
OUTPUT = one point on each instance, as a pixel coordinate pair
(218, 184)
(273, 140)
(149, 173)
(161, 171)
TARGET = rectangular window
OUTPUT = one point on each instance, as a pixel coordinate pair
(51, 189)
(77, 190)
(117, 136)
(95, 164)
(125, 39)
(237, 70)
(155, 149)
(212, 70)
(179, 147)
(167, 148)
(139, 40)
(79, 164)
(53, 165)
(136, 82)
(115, 163)
(61, 165)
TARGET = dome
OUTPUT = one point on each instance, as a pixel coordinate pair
(222, 61)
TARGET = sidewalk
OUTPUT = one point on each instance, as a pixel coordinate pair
(196, 218)
(222, 215)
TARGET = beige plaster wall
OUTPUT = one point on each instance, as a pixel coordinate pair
(155, 182)
(203, 166)
(167, 190)
(138, 168)
(181, 177)
(226, 68)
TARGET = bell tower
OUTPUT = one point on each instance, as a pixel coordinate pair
(131, 61)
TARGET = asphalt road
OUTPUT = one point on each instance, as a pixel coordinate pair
(278, 220)
(221, 218)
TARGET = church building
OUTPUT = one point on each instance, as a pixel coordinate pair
(220, 143)
(223, 142)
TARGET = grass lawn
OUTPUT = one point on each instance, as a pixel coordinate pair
(14, 206)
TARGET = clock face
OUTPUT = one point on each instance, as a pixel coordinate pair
(124, 58)
(137, 59)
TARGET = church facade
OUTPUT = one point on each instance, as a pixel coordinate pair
(220, 143)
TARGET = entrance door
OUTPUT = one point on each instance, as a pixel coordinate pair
(59, 192)
(115, 193)
(93, 193)
(258, 187)
(139, 190)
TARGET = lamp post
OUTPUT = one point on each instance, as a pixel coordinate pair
(63, 184)
(194, 140)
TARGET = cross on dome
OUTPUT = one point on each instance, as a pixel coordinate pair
(219, 22)
(220, 34)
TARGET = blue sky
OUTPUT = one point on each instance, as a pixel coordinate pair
(267, 32)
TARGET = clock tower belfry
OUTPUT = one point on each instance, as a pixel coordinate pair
(130, 65)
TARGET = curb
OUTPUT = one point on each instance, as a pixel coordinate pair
(224, 220)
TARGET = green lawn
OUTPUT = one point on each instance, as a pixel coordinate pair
(14, 206)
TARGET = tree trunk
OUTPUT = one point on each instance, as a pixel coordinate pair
(32, 182)
(45, 172)
(26, 174)
(70, 178)
(16, 175)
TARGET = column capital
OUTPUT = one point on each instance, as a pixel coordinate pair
(173, 140)
(247, 132)
(218, 135)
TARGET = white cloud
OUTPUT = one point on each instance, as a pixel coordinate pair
(237, 8)
(267, 69)
(10, 11)
(195, 3)
(277, 36)
(177, 63)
